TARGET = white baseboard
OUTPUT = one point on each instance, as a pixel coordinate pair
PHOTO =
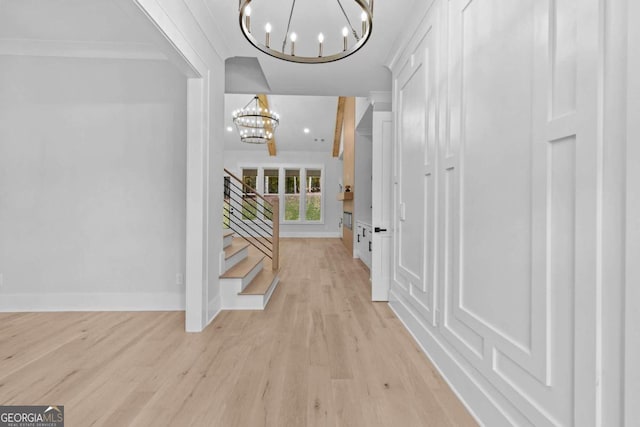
(311, 234)
(473, 391)
(160, 301)
(214, 308)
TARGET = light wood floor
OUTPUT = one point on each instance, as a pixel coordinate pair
(320, 354)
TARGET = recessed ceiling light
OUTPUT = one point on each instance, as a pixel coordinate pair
(229, 129)
(306, 130)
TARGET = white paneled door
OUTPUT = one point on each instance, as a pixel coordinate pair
(382, 200)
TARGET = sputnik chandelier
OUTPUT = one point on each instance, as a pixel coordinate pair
(352, 40)
(255, 122)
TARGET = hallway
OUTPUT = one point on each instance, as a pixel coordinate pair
(320, 354)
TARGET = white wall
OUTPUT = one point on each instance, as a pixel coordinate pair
(236, 160)
(190, 29)
(362, 199)
(362, 180)
(363, 159)
(92, 184)
(509, 205)
(631, 338)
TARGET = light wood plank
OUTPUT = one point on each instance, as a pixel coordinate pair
(261, 283)
(244, 267)
(320, 354)
(236, 246)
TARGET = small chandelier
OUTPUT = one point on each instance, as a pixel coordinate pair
(359, 38)
(255, 122)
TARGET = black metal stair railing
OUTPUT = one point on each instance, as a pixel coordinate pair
(252, 216)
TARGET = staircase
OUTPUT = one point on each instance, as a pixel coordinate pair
(250, 247)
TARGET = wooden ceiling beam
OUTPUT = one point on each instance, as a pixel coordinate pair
(271, 145)
(339, 122)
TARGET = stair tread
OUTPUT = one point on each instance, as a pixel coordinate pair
(243, 268)
(261, 283)
(236, 246)
(228, 233)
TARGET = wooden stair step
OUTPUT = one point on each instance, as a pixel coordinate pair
(243, 268)
(236, 246)
(261, 283)
(228, 233)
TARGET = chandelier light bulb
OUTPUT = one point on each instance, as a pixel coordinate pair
(293, 37)
(345, 33)
(247, 18)
(320, 40)
(267, 36)
(363, 16)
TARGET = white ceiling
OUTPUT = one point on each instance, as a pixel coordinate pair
(114, 22)
(106, 27)
(356, 75)
(318, 113)
(69, 20)
(96, 29)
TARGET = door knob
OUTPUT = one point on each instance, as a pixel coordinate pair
(378, 229)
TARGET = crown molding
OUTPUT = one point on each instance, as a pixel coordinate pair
(209, 27)
(380, 100)
(420, 10)
(77, 49)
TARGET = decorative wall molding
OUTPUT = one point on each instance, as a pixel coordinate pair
(496, 164)
(475, 394)
(415, 25)
(631, 355)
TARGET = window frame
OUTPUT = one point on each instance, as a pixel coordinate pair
(282, 167)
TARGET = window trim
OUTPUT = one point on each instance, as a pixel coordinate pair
(303, 167)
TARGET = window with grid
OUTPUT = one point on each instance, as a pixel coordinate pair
(313, 196)
(292, 194)
(299, 190)
(271, 179)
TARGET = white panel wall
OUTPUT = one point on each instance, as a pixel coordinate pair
(92, 184)
(236, 160)
(500, 260)
(631, 294)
